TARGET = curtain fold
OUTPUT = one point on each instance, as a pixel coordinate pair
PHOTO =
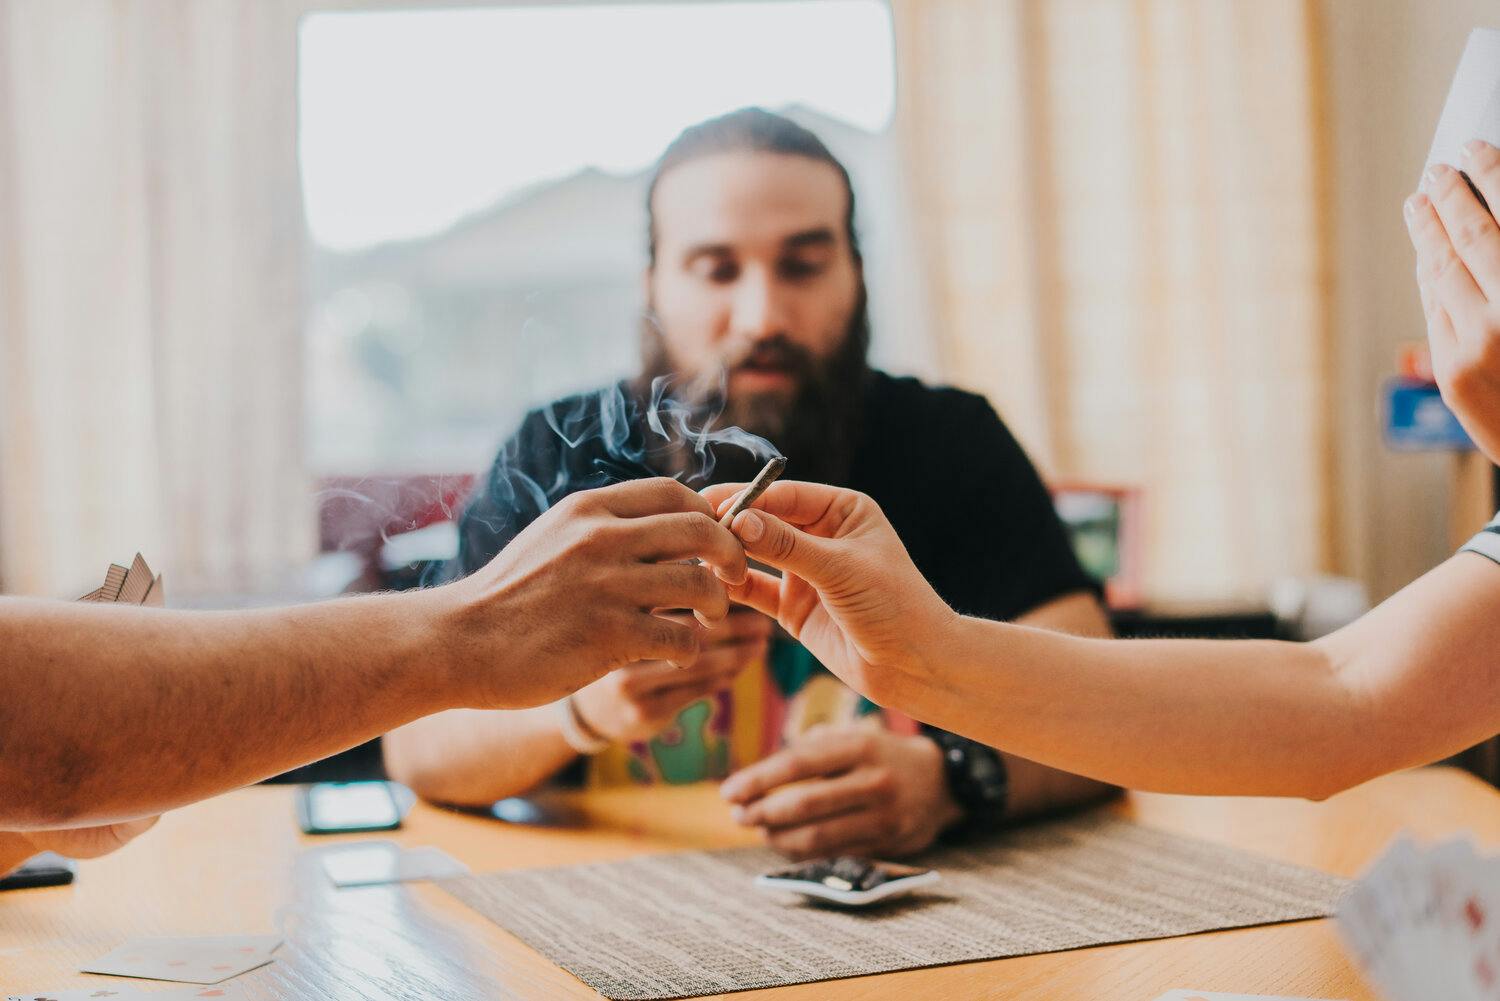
(150, 266)
(1122, 219)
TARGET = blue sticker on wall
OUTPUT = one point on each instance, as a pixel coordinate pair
(1417, 419)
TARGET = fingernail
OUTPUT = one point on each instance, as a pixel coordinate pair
(1434, 174)
(750, 527)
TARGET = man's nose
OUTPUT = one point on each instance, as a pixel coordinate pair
(760, 308)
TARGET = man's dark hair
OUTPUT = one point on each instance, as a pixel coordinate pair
(748, 130)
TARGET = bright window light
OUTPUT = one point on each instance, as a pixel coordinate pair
(411, 120)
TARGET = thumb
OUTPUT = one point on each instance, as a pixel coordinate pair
(769, 539)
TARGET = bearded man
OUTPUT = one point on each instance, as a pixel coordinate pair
(756, 318)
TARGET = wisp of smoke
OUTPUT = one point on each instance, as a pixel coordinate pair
(629, 439)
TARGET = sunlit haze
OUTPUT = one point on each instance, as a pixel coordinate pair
(411, 120)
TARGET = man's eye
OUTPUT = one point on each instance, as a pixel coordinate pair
(718, 272)
(796, 268)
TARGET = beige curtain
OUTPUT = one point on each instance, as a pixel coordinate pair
(150, 310)
(1120, 205)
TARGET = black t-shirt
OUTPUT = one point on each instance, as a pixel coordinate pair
(956, 485)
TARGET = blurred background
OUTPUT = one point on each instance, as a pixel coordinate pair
(277, 276)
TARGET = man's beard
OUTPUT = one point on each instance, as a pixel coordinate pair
(816, 427)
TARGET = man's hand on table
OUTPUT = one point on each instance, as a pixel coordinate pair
(641, 700)
(850, 790)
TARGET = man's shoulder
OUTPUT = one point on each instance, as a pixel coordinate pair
(903, 397)
(934, 433)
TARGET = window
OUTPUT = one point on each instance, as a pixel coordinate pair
(474, 185)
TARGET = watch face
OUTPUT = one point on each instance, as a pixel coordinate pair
(986, 768)
(976, 776)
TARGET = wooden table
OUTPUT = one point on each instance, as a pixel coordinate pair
(236, 865)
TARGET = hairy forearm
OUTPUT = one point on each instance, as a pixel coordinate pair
(473, 757)
(114, 713)
(14, 850)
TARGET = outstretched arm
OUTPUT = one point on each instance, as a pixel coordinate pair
(1411, 682)
(109, 714)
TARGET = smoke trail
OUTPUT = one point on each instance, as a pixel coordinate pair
(593, 440)
(661, 440)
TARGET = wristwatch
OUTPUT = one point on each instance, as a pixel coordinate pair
(977, 780)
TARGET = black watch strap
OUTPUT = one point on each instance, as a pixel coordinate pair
(977, 780)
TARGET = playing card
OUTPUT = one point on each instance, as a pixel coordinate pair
(1373, 916)
(1472, 110)
(375, 862)
(137, 582)
(156, 595)
(188, 960)
(114, 578)
(224, 992)
(1424, 923)
(1185, 995)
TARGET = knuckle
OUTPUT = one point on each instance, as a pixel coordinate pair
(1445, 183)
(777, 814)
(583, 502)
(669, 493)
(680, 640)
(1440, 264)
(1472, 232)
(883, 784)
(701, 581)
(781, 544)
(1484, 158)
(797, 762)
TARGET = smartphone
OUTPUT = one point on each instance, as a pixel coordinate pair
(46, 869)
(347, 807)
